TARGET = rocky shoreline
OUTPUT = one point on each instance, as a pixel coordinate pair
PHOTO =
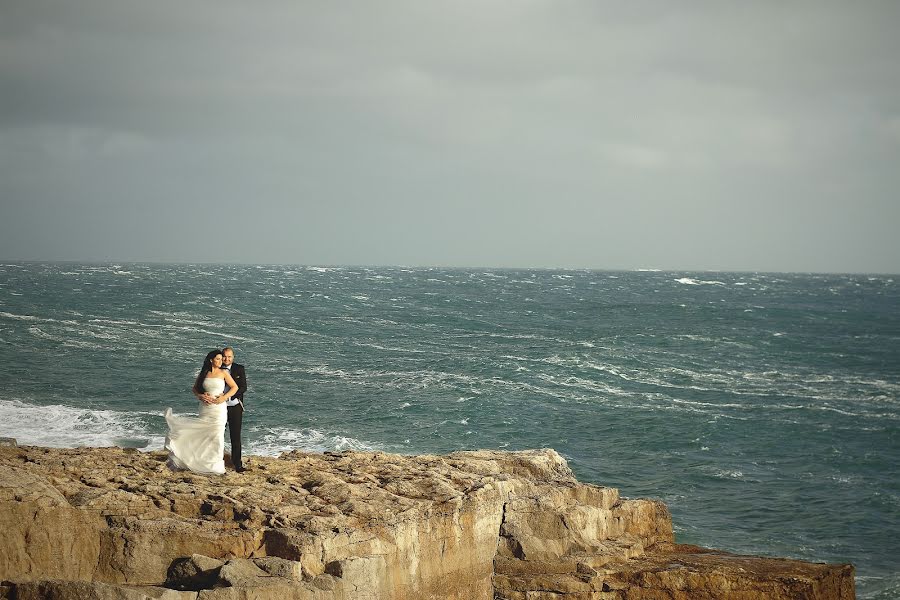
(114, 523)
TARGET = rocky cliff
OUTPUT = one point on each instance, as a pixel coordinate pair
(111, 523)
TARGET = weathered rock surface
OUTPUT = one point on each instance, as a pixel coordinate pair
(110, 523)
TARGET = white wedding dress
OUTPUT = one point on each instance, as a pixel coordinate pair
(198, 443)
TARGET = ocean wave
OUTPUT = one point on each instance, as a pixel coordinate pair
(714, 405)
(274, 441)
(692, 281)
(61, 426)
(322, 269)
(86, 332)
(285, 329)
(398, 349)
(184, 318)
(26, 317)
(584, 384)
(102, 322)
(40, 333)
(870, 587)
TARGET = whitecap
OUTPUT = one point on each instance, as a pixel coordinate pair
(63, 426)
(274, 441)
(691, 281)
(22, 317)
(39, 333)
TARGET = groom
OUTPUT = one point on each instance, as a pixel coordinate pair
(235, 406)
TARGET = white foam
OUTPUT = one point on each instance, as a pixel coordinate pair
(23, 317)
(274, 441)
(584, 384)
(397, 349)
(60, 426)
(322, 269)
(63, 426)
(691, 281)
(39, 333)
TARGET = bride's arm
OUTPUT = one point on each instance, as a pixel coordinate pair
(202, 396)
(232, 388)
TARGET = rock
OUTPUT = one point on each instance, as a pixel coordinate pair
(141, 550)
(195, 572)
(239, 572)
(280, 567)
(684, 572)
(479, 525)
(568, 521)
(42, 534)
(85, 590)
(271, 592)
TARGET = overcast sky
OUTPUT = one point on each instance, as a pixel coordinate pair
(516, 133)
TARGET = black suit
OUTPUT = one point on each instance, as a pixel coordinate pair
(236, 414)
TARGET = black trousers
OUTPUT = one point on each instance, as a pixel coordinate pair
(235, 416)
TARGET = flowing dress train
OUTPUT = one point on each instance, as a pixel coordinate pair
(198, 443)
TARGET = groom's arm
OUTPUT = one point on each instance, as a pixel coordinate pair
(241, 382)
(201, 395)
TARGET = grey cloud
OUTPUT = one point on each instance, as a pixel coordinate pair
(585, 134)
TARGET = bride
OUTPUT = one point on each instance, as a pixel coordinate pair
(198, 443)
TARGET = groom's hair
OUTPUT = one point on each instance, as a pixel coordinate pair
(227, 348)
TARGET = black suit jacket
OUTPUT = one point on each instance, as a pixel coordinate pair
(240, 378)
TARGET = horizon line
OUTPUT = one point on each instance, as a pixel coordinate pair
(425, 267)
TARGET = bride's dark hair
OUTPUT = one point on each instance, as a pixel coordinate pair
(204, 370)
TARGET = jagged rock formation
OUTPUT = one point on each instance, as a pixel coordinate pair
(116, 523)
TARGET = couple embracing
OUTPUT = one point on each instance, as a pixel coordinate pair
(198, 443)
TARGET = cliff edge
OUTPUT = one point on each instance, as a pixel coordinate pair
(113, 523)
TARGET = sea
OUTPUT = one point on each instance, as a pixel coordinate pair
(762, 408)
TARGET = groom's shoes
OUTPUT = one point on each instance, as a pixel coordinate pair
(239, 469)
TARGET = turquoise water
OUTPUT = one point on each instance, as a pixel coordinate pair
(764, 409)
